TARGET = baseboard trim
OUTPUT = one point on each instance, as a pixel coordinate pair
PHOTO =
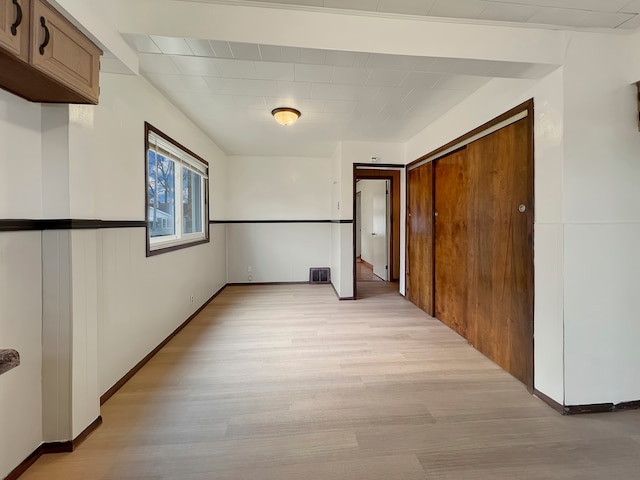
(248, 284)
(601, 408)
(342, 299)
(53, 447)
(120, 383)
(549, 401)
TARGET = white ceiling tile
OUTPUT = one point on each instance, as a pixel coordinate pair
(235, 68)
(458, 8)
(587, 5)
(309, 3)
(605, 19)
(201, 48)
(222, 49)
(521, 70)
(270, 53)
(202, 66)
(156, 63)
(361, 59)
(241, 86)
(555, 16)
(172, 45)
(291, 54)
(423, 64)
(340, 59)
(308, 105)
(386, 78)
(461, 82)
(631, 24)
(312, 56)
(275, 71)
(178, 83)
(631, 7)
(463, 66)
(328, 91)
(244, 51)
(505, 12)
(407, 7)
(393, 62)
(313, 73)
(421, 80)
(350, 76)
(248, 102)
(339, 106)
(295, 89)
(370, 5)
(141, 43)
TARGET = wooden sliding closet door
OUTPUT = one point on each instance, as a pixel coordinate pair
(420, 237)
(453, 233)
(501, 253)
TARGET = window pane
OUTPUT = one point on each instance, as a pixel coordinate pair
(191, 202)
(161, 193)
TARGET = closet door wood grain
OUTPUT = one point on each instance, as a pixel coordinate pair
(420, 237)
(501, 270)
(454, 210)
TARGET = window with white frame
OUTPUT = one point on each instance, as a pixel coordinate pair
(177, 194)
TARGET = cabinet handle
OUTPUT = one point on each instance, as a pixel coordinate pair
(16, 24)
(47, 36)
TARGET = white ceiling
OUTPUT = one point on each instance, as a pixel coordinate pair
(229, 89)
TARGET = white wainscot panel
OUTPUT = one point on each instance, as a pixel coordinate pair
(602, 358)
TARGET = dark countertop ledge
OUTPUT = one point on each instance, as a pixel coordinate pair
(8, 359)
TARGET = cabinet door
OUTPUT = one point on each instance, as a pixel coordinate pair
(62, 52)
(14, 27)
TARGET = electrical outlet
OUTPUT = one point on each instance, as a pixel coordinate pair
(192, 299)
(249, 269)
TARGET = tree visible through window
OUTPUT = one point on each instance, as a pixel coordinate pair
(177, 186)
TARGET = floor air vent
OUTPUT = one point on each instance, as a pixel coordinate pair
(319, 275)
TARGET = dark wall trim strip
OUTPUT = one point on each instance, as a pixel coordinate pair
(53, 447)
(17, 225)
(584, 409)
(120, 383)
(387, 166)
(230, 222)
(338, 295)
(601, 407)
(249, 284)
(549, 401)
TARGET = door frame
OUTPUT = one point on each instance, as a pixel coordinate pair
(373, 171)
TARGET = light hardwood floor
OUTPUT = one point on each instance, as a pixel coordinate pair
(285, 382)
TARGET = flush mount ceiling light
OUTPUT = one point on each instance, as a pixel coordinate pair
(285, 115)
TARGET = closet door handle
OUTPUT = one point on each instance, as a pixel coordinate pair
(16, 24)
(47, 36)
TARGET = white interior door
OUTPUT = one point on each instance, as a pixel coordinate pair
(379, 230)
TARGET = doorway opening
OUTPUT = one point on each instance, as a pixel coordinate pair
(376, 236)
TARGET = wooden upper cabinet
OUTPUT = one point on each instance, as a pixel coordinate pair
(62, 65)
(14, 27)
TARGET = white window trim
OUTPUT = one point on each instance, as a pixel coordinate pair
(183, 159)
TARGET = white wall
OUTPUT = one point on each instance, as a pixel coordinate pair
(143, 299)
(602, 220)
(20, 280)
(281, 189)
(20, 329)
(366, 198)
